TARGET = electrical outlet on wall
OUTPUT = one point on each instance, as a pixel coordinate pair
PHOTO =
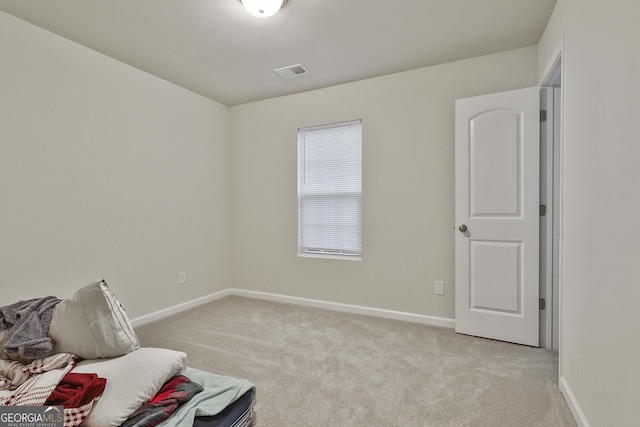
(182, 277)
(439, 287)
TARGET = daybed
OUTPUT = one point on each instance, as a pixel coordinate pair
(83, 354)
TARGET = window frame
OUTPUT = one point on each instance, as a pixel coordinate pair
(341, 197)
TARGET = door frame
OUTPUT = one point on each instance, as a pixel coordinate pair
(551, 194)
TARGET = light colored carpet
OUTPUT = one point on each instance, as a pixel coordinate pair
(314, 367)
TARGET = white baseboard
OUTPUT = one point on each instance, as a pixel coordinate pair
(334, 306)
(579, 416)
(166, 312)
(348, 308)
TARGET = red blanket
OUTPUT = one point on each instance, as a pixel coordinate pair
(77, 393)
(76, 389)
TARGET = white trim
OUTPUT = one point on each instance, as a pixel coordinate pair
(332, 125)
(349, 308)
(558, 61)
(546, 222)
(554, 187)
(334, 306)
(578, 415)
(329, 256)
(553, 64)
(169, 311)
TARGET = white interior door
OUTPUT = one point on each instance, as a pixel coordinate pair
(497, 216)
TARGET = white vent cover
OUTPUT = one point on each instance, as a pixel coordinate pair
(291, 71)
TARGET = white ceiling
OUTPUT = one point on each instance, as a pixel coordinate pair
(217, 49)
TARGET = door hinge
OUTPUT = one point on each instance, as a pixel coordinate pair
(543, 304)
(543, 210)
(543, 115)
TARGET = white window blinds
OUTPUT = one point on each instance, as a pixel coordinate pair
(330, 190)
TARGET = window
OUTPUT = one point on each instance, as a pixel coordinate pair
(330, 190)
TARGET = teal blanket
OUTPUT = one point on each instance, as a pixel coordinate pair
(218, 392)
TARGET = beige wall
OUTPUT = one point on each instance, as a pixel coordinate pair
(600, 272)
(106, 172)
(408, 194)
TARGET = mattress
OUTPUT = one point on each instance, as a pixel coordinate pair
(237, 414)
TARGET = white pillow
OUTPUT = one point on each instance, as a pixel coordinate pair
(92, 324)
(132, 380)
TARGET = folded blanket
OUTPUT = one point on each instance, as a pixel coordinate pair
(29, 323)
(173, 393)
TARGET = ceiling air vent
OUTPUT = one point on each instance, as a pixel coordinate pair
(291, 71)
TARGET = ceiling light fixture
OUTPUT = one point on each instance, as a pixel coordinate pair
(263, 8)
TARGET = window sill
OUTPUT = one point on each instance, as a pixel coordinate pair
(330, 256)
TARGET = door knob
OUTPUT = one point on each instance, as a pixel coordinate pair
(463, 228)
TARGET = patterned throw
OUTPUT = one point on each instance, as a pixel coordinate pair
(173, 393)
(31, 385)
(48, 381)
